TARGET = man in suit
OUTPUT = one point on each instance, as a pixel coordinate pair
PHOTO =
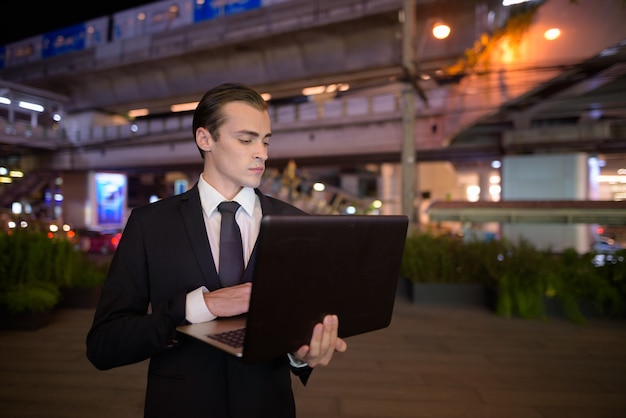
(165, 273)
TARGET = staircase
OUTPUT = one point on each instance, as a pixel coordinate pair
(25, 187)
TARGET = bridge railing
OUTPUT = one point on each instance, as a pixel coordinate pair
(341, 110)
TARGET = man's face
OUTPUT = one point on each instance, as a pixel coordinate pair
(237, 158)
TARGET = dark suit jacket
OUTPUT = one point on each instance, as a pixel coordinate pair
(163, 254)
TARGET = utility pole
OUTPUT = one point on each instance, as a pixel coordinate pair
(408, 155)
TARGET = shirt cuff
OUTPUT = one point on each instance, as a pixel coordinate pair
(195, 307)
(295, 362)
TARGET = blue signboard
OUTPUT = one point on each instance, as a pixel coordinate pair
(110, 193)
(216, 8)
(233, 7)
(64, 40)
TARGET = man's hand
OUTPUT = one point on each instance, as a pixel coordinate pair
(324, 343)
(229, 301)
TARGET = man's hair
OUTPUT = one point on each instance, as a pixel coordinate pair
(209, 113)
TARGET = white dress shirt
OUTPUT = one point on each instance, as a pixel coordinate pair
(249, 221)
(248, 218)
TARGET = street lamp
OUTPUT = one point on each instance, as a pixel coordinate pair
(435, 27)
(441, 30)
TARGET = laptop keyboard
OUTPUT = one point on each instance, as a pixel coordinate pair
(233, 338)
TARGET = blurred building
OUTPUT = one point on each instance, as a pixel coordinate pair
(519, 102)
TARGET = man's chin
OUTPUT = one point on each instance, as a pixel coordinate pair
(253, 183)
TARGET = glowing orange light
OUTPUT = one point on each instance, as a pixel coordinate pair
(441, 30)
(552, 33)
(115, 239)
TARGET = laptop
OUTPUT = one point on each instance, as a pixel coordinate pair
(307, 267)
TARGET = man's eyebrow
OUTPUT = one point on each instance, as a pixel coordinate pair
(252, 133)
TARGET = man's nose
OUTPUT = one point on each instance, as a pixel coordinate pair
(261, 153)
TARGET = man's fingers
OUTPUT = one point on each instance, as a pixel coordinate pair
(324, 342)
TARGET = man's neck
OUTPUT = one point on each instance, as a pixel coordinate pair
(227, 193)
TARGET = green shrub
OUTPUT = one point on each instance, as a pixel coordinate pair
(36, 296)
(88, 273)
(523, 277)
(25, 272)
(432, 258)
(611, 295)
(34, 267)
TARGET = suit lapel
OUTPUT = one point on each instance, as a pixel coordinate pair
(191, 213)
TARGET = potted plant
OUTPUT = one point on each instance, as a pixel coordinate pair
(612, 270)
(81, 288)
(520, 277)
(27, 295)
(441, 270)
(78, 277)
(582, 289)
(39, 273)
(514, 279)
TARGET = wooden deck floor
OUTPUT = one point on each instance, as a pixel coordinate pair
(433, 361)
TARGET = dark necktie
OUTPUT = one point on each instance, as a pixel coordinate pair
(231, 249)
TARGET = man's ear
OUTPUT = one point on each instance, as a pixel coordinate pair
(203, 139)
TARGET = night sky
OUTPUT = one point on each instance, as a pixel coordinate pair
(25, 18)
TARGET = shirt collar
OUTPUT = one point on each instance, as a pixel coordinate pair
(210, 198)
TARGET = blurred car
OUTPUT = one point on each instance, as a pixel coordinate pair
(98, 242)
(605, 249)
(606, 245)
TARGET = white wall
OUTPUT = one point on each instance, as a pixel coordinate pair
(547, 177)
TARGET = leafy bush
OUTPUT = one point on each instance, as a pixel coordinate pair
(523, 278)
(612, 273)
(33, 267)
(433, 259)
(37, 296)
(88, 273)
(519, 274)
(25, 273)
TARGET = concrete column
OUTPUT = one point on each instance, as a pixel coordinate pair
(350, 183)
(483, 183)
(547, 177)
(389, 186)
